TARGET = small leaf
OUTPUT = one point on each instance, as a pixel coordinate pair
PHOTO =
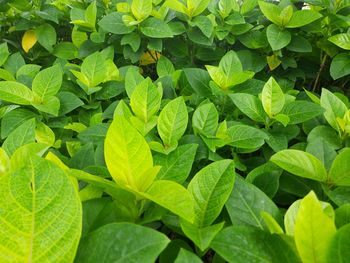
(205, 119)
(249, 105)
(47, 82)
(277, 38)
(341, 40)
(156, 28)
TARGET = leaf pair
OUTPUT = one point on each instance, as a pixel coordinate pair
(45, 86)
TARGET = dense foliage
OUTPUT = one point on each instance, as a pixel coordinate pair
(174, 131)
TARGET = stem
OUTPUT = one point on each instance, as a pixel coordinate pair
(323, 63)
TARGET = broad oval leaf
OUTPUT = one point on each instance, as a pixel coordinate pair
(171, 196)
(272, 97)
(121, 242)
(15, 92)
(246, 203)
(156, 28)
(301, 111)
(341, 40)
(205, 119)
(47, 82)
(303, 17)
(339, 173)
(113, 23)
(172, 122)
(301, 164)
(141, 9)
(246, 137)
(277, 38)
(340, 66)
(338, 250)
(313, 231)
(40, 213)
(242, 244)
(127, 154)
(210, 189)
(249, 105)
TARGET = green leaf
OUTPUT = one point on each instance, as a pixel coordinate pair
(272, 97)
(271, 12)
(4, 53)
(202, 237)
(156, 28)
(164, 67)
(15, 92)
(145, 100)
(246, 203)
(171, 196)
(196, 7)
(186, 256)
(93, 67)
(128, 156)
(249, 105)
(300, 111)
(277, 38)
(122, 242)
(51, 104)
(338, 251)
(240, 244)
(65, 50)
(341, 40)
(46, 35)
(340, 66)
(141, 9)
(47, 82)
(303, 17)
(23, 134)
(172, 122)
(300, 163)
(177, 165)
(113, 23)
(199, 81)
(314, 230)
(205, 119)
(339, 173)
(41, 214)
(246, 137)
(335, 108)
(210, 189)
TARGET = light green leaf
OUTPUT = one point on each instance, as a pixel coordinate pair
(341, 40)
(249, 105)
(171, 196)
(230, 64)
(205, 119)
(47, 82)
(121, 242)
(277, 38)
(271, 12)
(172, 122)
(113, 23)
(93, 67)
(46, 35)
(156, 28)
(271, 223)
(339, 173)
(272, 97)
(314, 230)
(41, 214)
(127, 155)
(164, 67)
(4, 53)
(145, 100)
(177, 165)
(23, 134)
(303, 17)
(210, 189)
(141, 9)
(196, 7)
(51, 104)
(301, 164)
(335, 108)
(15, 92)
